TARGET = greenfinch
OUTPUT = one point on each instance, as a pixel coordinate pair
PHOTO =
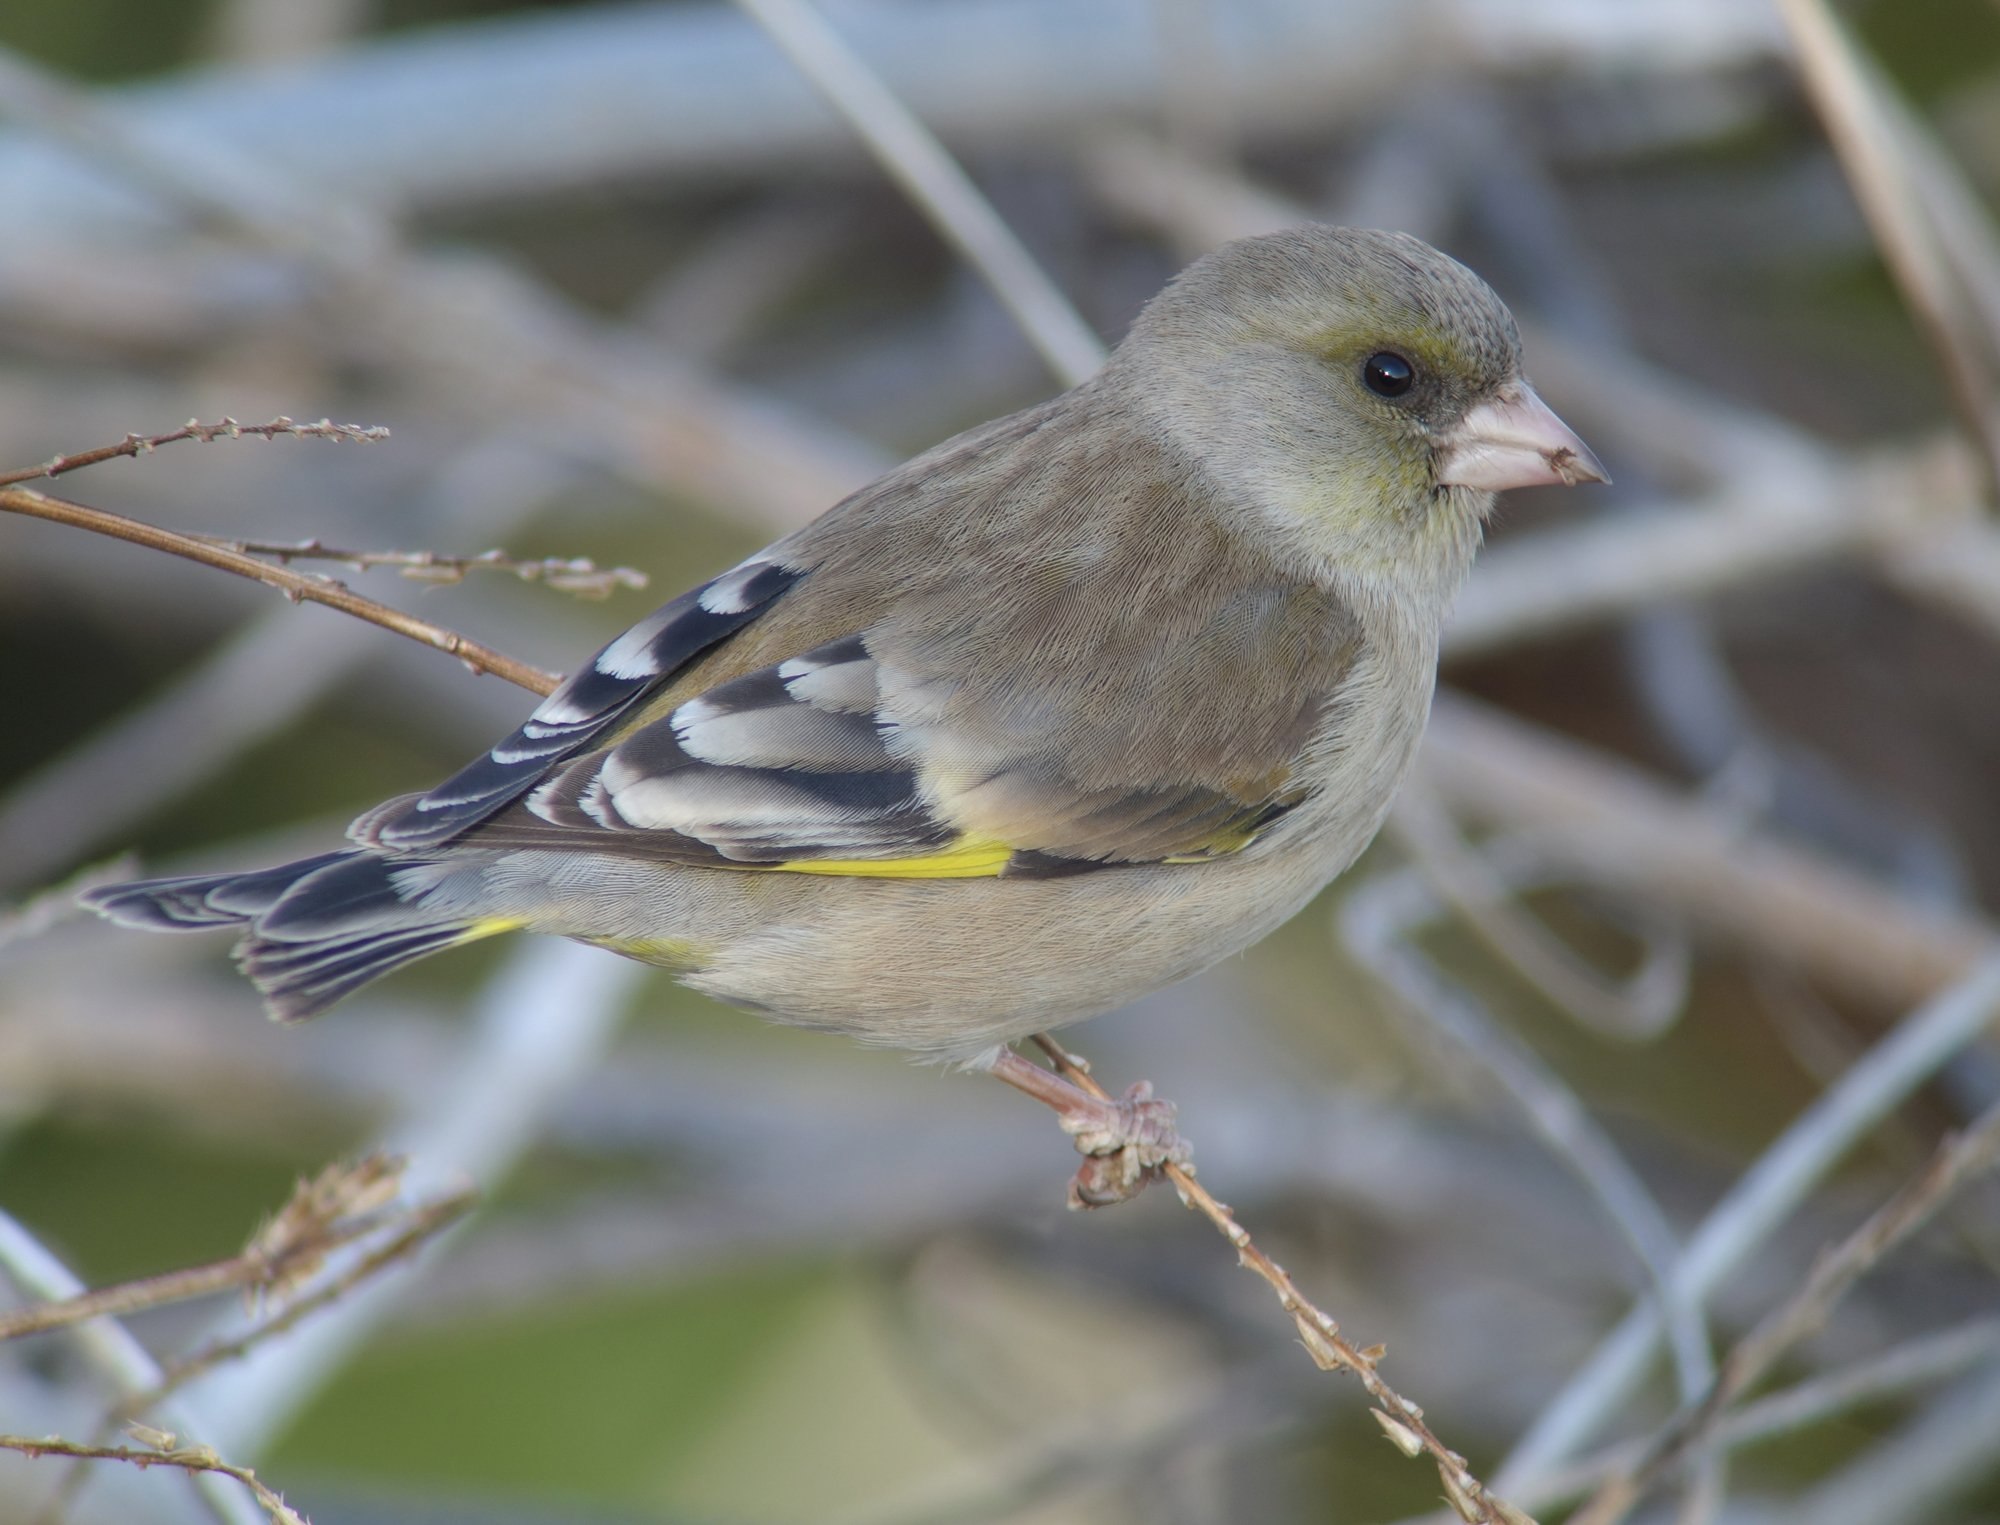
(1060, 711)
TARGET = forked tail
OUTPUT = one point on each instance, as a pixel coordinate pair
(316, 929)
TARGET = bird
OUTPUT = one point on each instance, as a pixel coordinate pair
(1057, 713)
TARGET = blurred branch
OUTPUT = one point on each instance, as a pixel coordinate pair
(58, 903)
(1607, 821)
(543, 1023)
(343, 1203)
(1762, 1198)
(414, 1229)
(1914, 1365)
(1852, 98)
(506, 341)
(1401, 1420)
(430, 119)
(1945, 1451)
(296, 587)
(1475, 887)
(931, 178)
(1955, 1161)
(108, 1344)
(1377, 923)
(164, 1451)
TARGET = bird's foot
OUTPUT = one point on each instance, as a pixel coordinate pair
(1126, 1141)
(1124, 1144)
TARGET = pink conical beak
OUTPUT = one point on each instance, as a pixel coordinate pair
(1515, 440)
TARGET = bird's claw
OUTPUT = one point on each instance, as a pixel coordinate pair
(1125, 1144)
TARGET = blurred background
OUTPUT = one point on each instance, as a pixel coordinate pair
(1711, 805)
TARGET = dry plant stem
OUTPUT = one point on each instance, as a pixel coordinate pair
(566, 574)
(425, 1222)
(1400, 1419)
(1847, 93)
(110, 1346)
(1635, 1009)
(195, 429)
(1916, 1366)
(1610, 823)
(1760, 1202)
(1955, 1160)
(248, 1270)
(934, 182)
(295, 586)
(199, 1459)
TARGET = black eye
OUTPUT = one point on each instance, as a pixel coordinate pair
(1388, 374)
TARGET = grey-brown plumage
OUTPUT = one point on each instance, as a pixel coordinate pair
(1060, 711)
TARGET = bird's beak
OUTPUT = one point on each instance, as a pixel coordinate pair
(1515, 440)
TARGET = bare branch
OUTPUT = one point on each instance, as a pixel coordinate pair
(1955, 1161)
(1401, 1420)
(1849, 94)
(295, 586)
(932, 179)
(566, 574)
(1478, 891)
(166, 1453)
(1762, 1199)
(342, 1203)
(110, 1346)
(1613, 824)
(423, 1223)
(195, 429)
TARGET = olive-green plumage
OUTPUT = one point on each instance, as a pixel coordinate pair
(1058, 712)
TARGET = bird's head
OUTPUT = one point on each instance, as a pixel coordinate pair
(1356, 385)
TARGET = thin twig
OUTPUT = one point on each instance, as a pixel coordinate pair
(419, 1224)
(424, 1222)
(1376, 923)
(297, 587)
(566, 574)
(501, 1088)
(1610, 823)
(1923, 1362)
(1401, 1420)
(1847, 92)
(340, 1204)
(197, 1459)
(1760, 1202)
(110, 1346)
(932, 179)
(195, 429)
(1955, 1160)
(247, 1270)
(1473, 886)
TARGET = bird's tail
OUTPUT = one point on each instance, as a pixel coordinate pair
(315, 930)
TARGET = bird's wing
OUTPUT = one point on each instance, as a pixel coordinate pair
(1031, 652)
(581, 710)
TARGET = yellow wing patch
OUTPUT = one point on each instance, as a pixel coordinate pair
(968, 858)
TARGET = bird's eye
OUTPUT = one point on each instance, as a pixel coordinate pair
(1388, 374)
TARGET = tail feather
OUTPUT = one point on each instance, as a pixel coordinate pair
(197, 902)
(316, 930)
(300, 980)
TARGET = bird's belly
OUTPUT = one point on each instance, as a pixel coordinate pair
(953, 967)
